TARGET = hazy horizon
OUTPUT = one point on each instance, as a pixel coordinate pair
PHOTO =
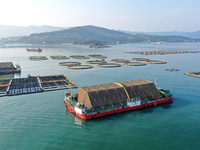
(129, 15)
(96, 26)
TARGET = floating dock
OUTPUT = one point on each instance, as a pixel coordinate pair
(34, 84)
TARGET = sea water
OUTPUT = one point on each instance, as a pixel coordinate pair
(41, 121)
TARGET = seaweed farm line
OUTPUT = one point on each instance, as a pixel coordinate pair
(32, 84)
(162, 52)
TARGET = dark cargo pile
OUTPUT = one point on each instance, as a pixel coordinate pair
(6, 66)
(113, 95)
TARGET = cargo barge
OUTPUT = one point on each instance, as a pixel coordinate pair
(102, 100)
(8, 68)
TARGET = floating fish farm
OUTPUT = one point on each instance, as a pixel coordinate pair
(99, 61)
(23, 86)
(134, 63)
(59, 57)
(97, 56)
(38, 58)
(80, 67)
(4, 84)
(140, 59)
(162, 52)
(156, 62)
(79, 57)
(96, 62)
(109, 65)
(34, 84)
(69, 63)
(193, 74)
(119, 60)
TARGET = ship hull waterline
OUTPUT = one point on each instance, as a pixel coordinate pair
(166, 100)
(11, 72)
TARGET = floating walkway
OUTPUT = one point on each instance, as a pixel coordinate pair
(194, 74)
(17, 86)
(4, 85)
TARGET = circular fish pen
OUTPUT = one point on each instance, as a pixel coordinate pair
(38, 58)
(80, 67)
(96, 62)
(95, 55)
(69, 63)
(79, 57)
(134, 63)
(109, 65)
(59, 57)
(140, 59)
(100, 57)
(156, 62)
(119, 60)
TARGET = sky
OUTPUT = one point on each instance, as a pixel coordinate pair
(128, 15)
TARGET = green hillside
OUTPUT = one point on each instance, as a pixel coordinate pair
(90, 35)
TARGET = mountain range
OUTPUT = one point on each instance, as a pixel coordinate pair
(90, 35)
(192, 35)
(10, 31)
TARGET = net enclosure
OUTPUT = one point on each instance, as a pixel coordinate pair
(106, 96)
(6, 66)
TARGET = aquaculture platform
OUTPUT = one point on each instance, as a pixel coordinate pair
(34, 84)
(162, 52)
(194, 74)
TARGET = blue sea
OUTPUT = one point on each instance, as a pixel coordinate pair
(41, 122)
